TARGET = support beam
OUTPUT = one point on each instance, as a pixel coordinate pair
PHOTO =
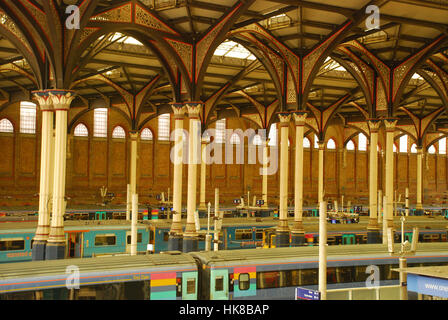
(190, 241)
(373, 231)
(175, 236)
(265, 174)
(202, 204)
(282, 234)
(298, 232)
(389, 192)
(46, 174)
(56, 241)
(133, 172)
(321, 172)
(419, 204)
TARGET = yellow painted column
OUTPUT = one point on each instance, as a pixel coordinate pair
(202, 204)
(419, 204)
(177, 156)
(56, 241)
(133, 171)
(282, 235)
(372, 228)
(298, 231)
(46, 174)
(265, 173)
(190, 241)
(321, 172)
(389, 192)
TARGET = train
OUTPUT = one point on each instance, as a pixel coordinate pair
(89, 238)
(249, 274)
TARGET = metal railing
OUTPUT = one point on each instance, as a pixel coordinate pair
(364, 293)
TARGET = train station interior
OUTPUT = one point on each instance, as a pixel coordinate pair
(198, 133)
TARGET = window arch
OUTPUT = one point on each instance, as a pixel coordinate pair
(306, 143)
(147, 135)
(81, 131)
(331, 145)
(273, 135)
(362, 142)
(257, 140)
(28, 113)
(350, 145)
(119, 133)
(394, 147)
(414, 148)
(316, 142)
(432, 149)
(404, 143)
(6, 126)
(235, 139)
(442, 146)
(164, 121)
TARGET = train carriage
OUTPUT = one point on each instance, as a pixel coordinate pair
(146, 277)
(275, 273)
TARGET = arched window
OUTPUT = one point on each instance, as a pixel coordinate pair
(273, 135)
(147, 135)
(414, 148)
(442, 146)
(316, 142)
(221, 131)
(6, 126)
(394, 147)
(257, 140)
(362, 142)
(235, 139)
(81, 131)
(100, 123)
(27, 117)
(306, 143)
(350, 145)
(331, 145)
(432, 149)
(119, 133)
(404, 143)
(164, 127)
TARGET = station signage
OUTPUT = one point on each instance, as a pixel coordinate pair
(307, 294)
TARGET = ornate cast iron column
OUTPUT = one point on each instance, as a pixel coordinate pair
(373, 231)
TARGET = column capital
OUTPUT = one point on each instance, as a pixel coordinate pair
(44, 101)
(194, 109)
(390, 124)
(321, 145)
(134, 135)
(300, 117)
(178, 110)
(285, 118)
(374, 125)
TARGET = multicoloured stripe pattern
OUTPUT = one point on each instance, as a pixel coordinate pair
(252, 272)
(163, 286)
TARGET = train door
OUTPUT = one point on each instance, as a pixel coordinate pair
(189, 286)
(219, 284)
(74, 245)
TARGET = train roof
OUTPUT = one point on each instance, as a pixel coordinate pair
(95, 267)
(248, 256)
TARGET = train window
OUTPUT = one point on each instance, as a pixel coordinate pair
(331, 275)
(166, 236)
(105, 240)
(12, 244)
(244, 281)
(243, 234)
(345, 274)
(269, 279)
(139, 238)
(191, 286)
(219, 283)
(295, 278)
(309, 276)
(259, 235)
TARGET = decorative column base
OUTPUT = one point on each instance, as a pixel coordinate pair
(190, 244)
(39, 250)
(281, 239)
(175, 242)
(55, 251)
